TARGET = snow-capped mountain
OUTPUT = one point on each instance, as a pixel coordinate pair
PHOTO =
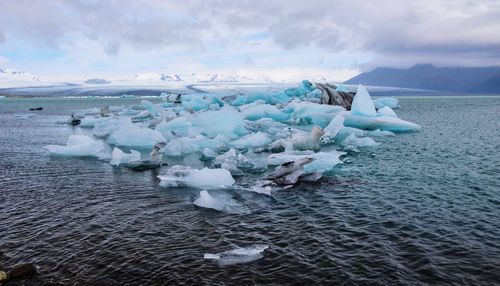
(157, 77)
(12, 78)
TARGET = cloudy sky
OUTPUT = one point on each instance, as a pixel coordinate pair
(124, 37)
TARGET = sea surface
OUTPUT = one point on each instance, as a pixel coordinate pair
(421, 208)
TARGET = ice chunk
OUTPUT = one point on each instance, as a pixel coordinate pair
(384, 123)
(187, 145)
(362, 103)
(342, 88)
(266, 190)
(103, 128)
(301, 140)
(257, 112)
(387, 111)
(183, 176)
(335, 125)
(222, 202)
(238, 255)
(120, 157)
(355, 142)
(312, 113)
(134, 136)
(89, 122)
(226, 121)
(77, 145)
(148, 105)
(391, 102)
(254, 140)
(176, 127)
(231, 160)
(323, 161)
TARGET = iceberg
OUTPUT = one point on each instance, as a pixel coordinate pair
(238, 255)
(391, 102)
(362, 103)
(183, 176)
(78, 146)
(134, 136)
(119, 157)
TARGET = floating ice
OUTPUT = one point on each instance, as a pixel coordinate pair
(149, 106)
(304, 112)
(355, 142)
(334, 127)
(254, 140)
(184, 176)
(257, 112)
(226, 121)
(222, 202)
(78, 146)
(362, 103)
(387, 111)
(119, 157)
(384, 123)
(132, 135)
(238, 255)
(391, 102)
(301, 140)
(187, 145)
(323, 161)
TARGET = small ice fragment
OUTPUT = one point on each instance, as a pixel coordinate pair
(238, 255)
(355, 142)
(221, 203)
(120, 157)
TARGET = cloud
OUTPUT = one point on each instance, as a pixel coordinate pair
(391, 32)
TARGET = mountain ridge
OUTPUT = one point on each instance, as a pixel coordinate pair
(427, 76)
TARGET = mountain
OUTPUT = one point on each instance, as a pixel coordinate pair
(426, 76)
(11, 78)
(157, 77)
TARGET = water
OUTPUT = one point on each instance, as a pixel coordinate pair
(422, 208)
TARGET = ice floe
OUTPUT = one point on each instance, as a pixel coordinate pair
(238, 255)
(184, 176)
(77, 146)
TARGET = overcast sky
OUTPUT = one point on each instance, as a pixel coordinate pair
(104, 38)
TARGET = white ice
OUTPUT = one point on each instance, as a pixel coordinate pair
(391, 102)
(184, 176)
(362, 104)
(134, 136)
(323, 161)
(119, 157)
(222, 202)
(78, 146)
(238, 255)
